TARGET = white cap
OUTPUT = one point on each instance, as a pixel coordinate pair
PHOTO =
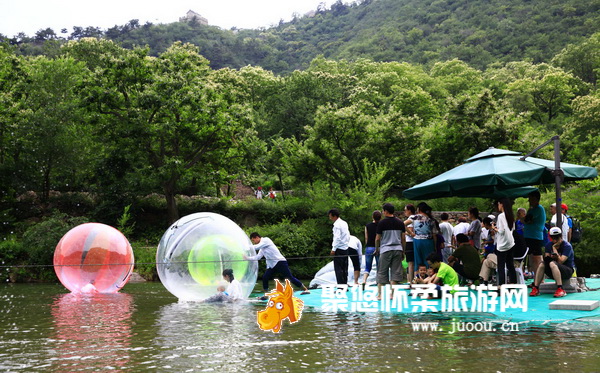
(493, 217)
(555, 231)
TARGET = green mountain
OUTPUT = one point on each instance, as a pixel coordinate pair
(417, 31)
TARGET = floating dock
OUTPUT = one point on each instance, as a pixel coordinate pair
(541, 309)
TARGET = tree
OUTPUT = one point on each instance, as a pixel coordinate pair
(343, 139)
(294, 107)
(336, 139)
(88, 32)
(582, 133)
(583, 59)
(49, 124)
(10, 71)
(339, 8)
(300, 163)
(46, 34)
(170, 112)
(540, 91)
(545, 97)
(256, 87)
(474, 123)
(457, 77)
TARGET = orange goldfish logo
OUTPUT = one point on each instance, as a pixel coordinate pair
(282, 305)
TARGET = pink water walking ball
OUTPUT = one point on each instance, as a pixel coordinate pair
(93, 258)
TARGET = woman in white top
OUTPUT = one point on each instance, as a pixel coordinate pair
(234, 289)
(505, 241)
(233, 292)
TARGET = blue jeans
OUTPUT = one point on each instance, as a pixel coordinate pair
(369, 254)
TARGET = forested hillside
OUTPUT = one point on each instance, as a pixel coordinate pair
(415, 31)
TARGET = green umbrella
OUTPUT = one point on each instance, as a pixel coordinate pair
(496, 173)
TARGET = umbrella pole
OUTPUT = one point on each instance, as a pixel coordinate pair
(558, 175)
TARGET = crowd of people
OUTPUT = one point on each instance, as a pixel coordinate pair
(468, 252)
(440, 253)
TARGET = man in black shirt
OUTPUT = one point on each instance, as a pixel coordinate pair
(389, 242)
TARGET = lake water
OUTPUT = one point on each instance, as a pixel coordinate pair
(45, 329)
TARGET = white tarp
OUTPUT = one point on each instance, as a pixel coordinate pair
(326, 275)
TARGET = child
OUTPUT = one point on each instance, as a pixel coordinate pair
(221, 296)
(421, 275)
(424, 275)
(488, 242)
(519, 225)
(272, 194)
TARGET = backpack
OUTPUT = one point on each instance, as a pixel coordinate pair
(577, 231)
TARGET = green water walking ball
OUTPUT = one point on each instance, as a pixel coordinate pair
(207, 256)
(195, 250)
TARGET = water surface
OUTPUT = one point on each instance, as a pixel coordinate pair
(144, 328)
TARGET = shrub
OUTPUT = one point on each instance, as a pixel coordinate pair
(13, 254)
(145, 258)
(124, 223)
(72, 203)
(40, 241)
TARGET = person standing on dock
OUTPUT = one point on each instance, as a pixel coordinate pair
(389, 242)
(426, 229)
(534, 230)
(447, 231)
(339, 246)
(409, 250)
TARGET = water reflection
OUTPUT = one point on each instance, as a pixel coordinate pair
(91, 331)
(215, 334)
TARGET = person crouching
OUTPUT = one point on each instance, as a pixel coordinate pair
(558, 263)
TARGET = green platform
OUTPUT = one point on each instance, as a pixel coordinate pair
(538, 309)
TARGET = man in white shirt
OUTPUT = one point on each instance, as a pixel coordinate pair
(565, 229)
(461, 227)
(447, 231)
(275, 262)
(339, 246)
